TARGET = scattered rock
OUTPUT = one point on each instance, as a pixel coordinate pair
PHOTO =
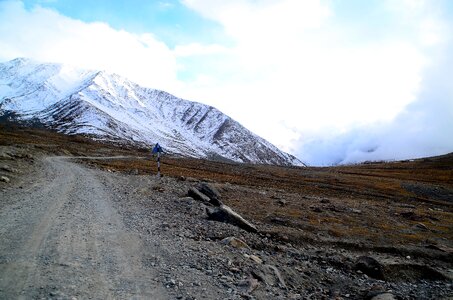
(410, 215)
(280, 221)
(159, 189)
(383, 296)
(8, 169)
(249, 285)
(256, 259)
(282, 202)
(370, 267)
(316, 209)
(412, 273)
(442, 248)
(269, 275)
(226, 214)
(405, 205)
(191, 179)
(235, 242)
(325, 201)
(421, 226)
(66, 152)
(5, 156)
(134, 172)
(335, 208)
(4, 179)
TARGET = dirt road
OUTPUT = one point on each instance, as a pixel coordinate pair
(61, 237)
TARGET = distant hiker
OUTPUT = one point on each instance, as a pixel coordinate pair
(157, 150)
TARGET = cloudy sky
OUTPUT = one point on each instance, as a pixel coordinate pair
(330, 81)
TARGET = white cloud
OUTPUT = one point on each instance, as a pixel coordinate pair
(195, 49)
(45, 35)
(293, 64)
(291, 71)
(320, 91)
(424, 128)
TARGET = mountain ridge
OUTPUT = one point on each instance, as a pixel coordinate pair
(112, 108)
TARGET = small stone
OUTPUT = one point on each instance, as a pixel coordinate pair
(421, 226)
(256, 259)
(282, 202)
(249, 284)
(235, 242)
(384, 296)
(317, 209)
(8, 169)
(4, 179)
(5, 156)
(269, 275)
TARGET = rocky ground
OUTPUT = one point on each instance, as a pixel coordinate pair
(74, 227)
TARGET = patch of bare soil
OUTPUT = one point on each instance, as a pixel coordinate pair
(351, 232)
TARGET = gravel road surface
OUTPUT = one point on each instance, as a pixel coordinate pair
(62, 237)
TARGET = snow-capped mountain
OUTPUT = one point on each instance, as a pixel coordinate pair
(109, 107)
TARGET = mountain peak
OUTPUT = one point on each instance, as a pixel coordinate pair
(20, 61)
(110, 107)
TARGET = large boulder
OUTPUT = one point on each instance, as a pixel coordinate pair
(211, 192)
(225, 214)
(370, 267)
(197, 195)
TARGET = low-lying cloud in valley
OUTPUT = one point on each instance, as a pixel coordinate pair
(424, 128)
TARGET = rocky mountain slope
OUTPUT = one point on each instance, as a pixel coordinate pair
(109, 107)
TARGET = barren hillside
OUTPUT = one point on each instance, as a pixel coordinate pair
(350, 232)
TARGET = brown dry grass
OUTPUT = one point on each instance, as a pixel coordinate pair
(380, 203)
